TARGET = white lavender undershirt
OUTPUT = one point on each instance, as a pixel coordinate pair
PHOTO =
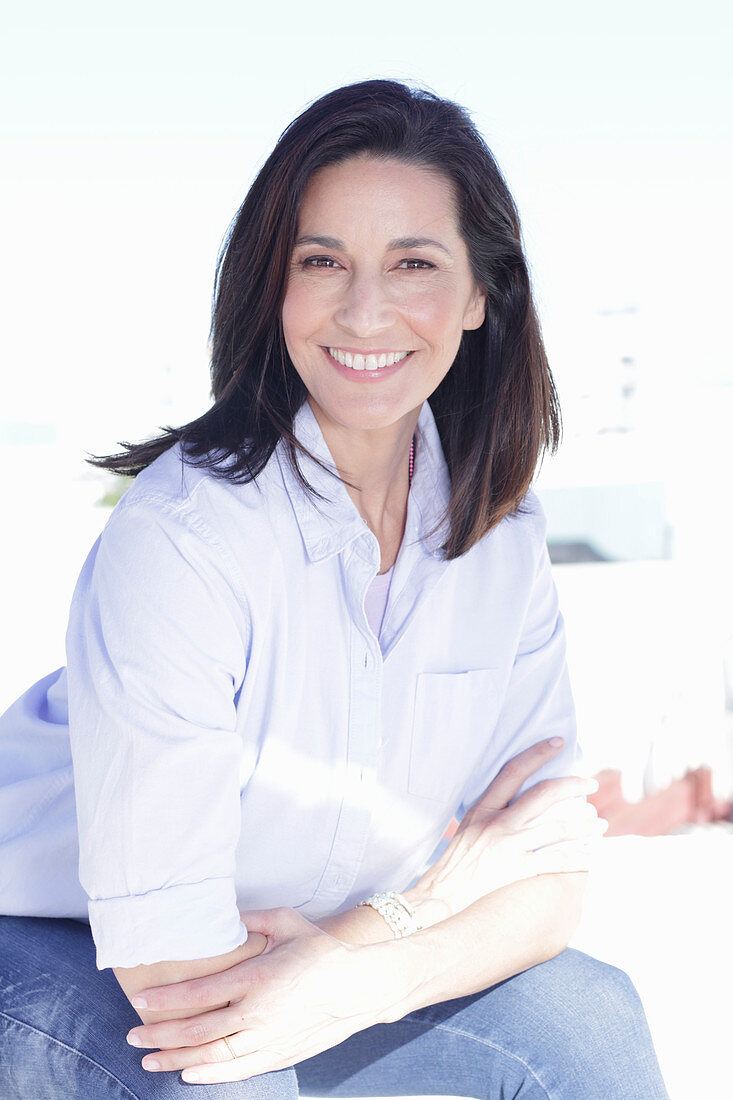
(376, 600)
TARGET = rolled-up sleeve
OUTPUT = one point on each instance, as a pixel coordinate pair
(156, 652)
(539, 702)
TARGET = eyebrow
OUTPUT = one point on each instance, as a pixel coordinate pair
(393, 246)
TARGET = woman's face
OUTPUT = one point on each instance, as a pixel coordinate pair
(389, 273)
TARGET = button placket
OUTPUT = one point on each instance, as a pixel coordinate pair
(365, 692)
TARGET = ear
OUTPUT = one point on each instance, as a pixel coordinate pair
(476, 309)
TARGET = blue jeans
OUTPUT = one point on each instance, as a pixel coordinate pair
(572, 1028)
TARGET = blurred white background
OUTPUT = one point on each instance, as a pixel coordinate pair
(131, 135)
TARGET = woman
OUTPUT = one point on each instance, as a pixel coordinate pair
(281, 688)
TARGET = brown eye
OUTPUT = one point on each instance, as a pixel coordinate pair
(423, 262)
(311, 261)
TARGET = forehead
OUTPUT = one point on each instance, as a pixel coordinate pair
(370, 188)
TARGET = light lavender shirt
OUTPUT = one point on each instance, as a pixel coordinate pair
(230, 733)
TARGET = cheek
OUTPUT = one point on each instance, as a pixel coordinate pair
(299, 312)
(292, 313)
(435, 311)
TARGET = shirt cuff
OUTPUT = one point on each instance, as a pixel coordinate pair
(190, 921)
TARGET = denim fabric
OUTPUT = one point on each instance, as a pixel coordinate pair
(572, 1028)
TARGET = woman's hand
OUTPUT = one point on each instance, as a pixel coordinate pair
(494, 845)
(146, 976)
(306, 992)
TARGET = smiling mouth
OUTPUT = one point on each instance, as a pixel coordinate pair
(371, 364)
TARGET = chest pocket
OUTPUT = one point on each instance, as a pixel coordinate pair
(453, 719)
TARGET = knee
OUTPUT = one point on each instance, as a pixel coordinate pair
(592, 993)
(589, 1033)
(608, 999)
(598, 1022)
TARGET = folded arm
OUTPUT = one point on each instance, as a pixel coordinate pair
(499, 935)
(503, 933)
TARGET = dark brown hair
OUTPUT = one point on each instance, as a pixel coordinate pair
(496, 409)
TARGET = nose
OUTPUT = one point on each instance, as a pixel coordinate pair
(365, 308)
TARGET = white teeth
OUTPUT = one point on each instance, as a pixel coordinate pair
(368, 362)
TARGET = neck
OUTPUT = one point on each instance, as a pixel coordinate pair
(376, 461)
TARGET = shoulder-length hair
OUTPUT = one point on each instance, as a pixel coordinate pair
(496, 409)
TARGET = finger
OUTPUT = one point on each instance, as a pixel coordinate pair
(201, 993)
(544, 794)
(567, 810)
(534, 801)
(512, 775)
(191, 1031)
(569, 857)
(241, 1069)
(553, 832)
(216, 1053)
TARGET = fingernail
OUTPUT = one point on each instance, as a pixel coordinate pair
(191, 1078)
(151, 1063)
(555, 742)
(592, 784)
(139, 1002)
(134, 1040)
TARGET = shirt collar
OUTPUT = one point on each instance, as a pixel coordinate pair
(327, 526)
